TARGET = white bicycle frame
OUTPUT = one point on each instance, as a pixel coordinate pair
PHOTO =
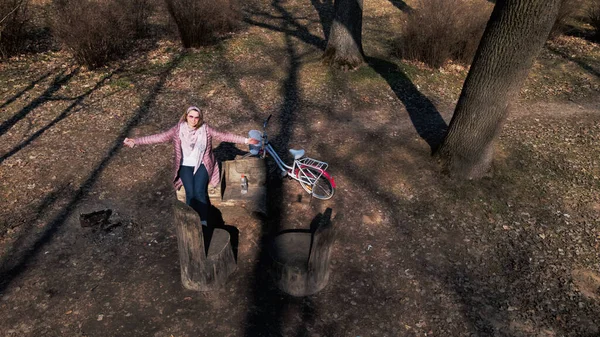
(298, 171)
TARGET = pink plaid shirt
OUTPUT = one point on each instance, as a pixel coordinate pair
(208, 159)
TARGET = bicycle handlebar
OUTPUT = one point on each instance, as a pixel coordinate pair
(266, 122)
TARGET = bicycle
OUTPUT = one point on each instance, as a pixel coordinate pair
(309, 172)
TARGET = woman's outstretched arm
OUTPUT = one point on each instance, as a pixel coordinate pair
(229, 137)
(162, 137)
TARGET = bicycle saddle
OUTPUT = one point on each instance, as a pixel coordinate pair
(297, 153)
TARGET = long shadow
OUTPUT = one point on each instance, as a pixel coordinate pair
(10, 271)
(326, 14)
(583, 65)
(296, 30)
(476, 285)
(425, 118)
(40, 210)
(581, 32)
(401, 5)
(22, 92)
(58, 83)
(231, 77)
(267, 302)
(77, 101)
(453, 278)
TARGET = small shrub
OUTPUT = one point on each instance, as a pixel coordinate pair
(201, 22)
(441, 30)
(593, 14)
(98, 31)
(14, 15)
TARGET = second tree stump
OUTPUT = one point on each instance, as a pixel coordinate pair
(301, 258)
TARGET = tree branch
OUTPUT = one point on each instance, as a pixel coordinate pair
(12, 11)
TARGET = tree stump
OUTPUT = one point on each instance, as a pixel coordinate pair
(301, 258)
(202, 270)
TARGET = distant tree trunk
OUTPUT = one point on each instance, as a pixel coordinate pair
(515, 33)
(344, 48)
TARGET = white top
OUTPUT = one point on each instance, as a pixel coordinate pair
(193, 158)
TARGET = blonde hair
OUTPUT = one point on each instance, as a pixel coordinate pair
(200, 114)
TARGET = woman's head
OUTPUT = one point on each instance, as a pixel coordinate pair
(194, 117)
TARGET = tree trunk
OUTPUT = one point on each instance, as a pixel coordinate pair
(344, 48)
(515, 33)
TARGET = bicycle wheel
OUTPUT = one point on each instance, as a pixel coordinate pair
(322, 188)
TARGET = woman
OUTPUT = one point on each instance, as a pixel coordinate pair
(195, 164)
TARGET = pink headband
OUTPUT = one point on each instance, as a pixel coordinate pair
(192, 108)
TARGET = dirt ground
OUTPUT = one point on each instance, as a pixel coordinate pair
(416, 253)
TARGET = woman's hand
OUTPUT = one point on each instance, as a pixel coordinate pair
(253, 141)
(129, 142)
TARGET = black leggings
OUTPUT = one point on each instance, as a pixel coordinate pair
(196, 189)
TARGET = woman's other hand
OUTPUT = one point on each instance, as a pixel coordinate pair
(129, 142)
(253, 141)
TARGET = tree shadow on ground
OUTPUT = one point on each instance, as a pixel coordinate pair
(425, 118)
(326, 13)
(289, 26)
(270, 307)
(401, 5)
(587, 34)
(16, 96)
(585, 66)
(16, 265)
(66, 113)
(59, 81)
(506, 283)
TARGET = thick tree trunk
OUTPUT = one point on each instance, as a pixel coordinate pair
(344, 48)
(515, 33)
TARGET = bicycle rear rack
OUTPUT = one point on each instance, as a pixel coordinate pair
(308, 177)
(320, 165)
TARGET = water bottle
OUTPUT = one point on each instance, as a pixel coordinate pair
(244, 184)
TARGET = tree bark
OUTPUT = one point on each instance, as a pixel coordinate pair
(202, 270)
(344, 48)
(301, 258)
(514, 35)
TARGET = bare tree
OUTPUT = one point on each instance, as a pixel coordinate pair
(514, 35)
(344, 48)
